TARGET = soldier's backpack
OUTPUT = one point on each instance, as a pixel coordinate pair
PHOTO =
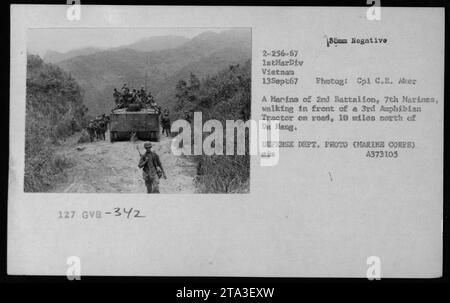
(158, 172)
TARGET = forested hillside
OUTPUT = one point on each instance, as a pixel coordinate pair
(224, 96)
(204, 54)
(54, 111)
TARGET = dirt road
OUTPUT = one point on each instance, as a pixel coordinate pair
(104, 167)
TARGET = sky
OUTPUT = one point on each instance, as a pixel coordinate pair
(66, 39)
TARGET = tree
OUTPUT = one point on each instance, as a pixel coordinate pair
(223, 96)
(54, 111)
(181, 94)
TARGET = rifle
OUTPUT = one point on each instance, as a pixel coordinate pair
(140, 155)
(160, 173)
(137, 148)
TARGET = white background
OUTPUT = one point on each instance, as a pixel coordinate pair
(297, 221)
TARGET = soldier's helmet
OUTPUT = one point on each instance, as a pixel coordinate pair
(147, 145)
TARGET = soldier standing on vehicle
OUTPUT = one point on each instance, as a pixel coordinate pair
(143, 95)
(134, 96)
(125, 95)
(116, 96)
(150, 100)
(124, 89)
(152, 169)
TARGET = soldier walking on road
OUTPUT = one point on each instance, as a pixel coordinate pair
(101, 129)
(165, 121)
(152, 169)
(91, 131)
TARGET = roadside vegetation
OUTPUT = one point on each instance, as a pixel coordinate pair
(224, 96)
(54, 111)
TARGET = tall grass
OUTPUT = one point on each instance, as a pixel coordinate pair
(44, 170)
(54, 111)
(223, 174)
(224, 96)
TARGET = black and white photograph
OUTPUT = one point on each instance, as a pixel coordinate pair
(100, 103)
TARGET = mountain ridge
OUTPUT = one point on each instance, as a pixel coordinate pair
(55, 57)
(158, 70)
(156, 43)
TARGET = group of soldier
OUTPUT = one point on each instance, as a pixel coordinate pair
(97, 128)
(127, 97)
(149, 162)
(165, 123)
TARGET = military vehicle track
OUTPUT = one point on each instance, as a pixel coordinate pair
(104, 167)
